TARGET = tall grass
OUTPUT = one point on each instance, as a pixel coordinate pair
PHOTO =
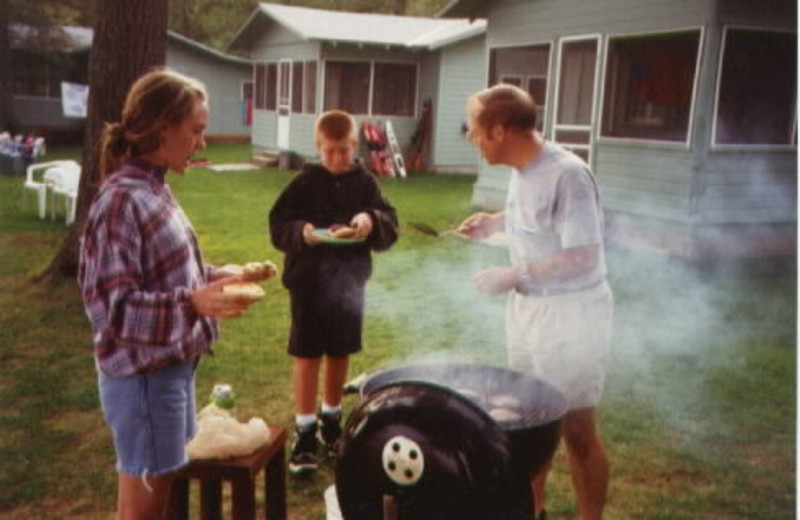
(699, 411)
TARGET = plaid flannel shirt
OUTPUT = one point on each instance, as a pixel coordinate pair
(139, 261)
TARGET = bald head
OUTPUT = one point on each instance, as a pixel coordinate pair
(504, 105)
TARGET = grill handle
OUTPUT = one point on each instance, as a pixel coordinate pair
(355, 385)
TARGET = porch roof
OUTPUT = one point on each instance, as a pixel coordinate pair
(359, 28)
(465, 8)
(205, 49)
(79, 39)
(44, 38)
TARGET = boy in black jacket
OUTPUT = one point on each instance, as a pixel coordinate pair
(326, 277)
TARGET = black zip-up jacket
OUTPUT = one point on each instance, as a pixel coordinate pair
(322, 198)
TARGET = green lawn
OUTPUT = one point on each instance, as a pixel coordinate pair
(699, 413)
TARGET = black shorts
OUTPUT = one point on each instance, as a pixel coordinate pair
(326, 320)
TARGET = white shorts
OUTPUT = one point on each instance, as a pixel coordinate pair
(563, 339)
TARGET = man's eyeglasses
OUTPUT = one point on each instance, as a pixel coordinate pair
(468, 133)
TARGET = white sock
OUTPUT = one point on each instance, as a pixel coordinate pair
(303, 420)
(331, 410)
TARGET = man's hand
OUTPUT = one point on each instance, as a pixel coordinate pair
(362, 223)
(495, 280)
(211, 301)
(480, 225)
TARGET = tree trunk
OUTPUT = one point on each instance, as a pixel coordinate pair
(5, 65)
(129, 39)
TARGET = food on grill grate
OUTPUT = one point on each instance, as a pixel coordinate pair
(504, 401)
(466, 392)
(504, 415)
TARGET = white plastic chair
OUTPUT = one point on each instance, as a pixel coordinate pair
(6, 149)
(40, 187)
(6, 143)
(19, 142)
(64, 181)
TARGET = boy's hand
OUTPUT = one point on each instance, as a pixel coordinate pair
(362, 223)
(308, 235)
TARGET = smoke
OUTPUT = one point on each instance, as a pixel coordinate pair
(676, 322)
(427, 296)
(681, 325)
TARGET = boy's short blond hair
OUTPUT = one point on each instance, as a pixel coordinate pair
(336, 125)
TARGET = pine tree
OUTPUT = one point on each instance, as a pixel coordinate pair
(129, 39)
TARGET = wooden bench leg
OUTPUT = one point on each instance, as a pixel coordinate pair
(179, 500)
(211, 499)
(244, 498)
(275, 487)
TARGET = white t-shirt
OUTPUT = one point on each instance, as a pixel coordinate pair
(553, 204)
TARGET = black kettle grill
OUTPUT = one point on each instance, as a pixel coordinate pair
(423, 443)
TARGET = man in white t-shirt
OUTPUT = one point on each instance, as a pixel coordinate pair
(559, 310)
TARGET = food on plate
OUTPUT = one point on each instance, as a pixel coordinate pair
(504, 415)
(249, 289)
(504, 401)
(259, 270)
(466, 392)
(343, 232)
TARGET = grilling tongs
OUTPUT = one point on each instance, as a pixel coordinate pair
(427, 229)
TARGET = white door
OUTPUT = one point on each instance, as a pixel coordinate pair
(576, 94)
(284, 102)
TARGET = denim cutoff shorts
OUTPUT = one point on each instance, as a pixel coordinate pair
(151, 416)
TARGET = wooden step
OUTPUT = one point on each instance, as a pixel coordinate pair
(265, 159)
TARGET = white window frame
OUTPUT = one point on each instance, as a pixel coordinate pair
(305, 84)
(684, 145)
(718, 88)
(288, 103)
(266, 65)
(371, 62)
(593, 118)
(277, 84)
(242, 84)
(538, 43)
(416, 88)
(517, 77)
(325, 86)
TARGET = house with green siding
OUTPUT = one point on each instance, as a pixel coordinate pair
(686, 110)
(46, 57)
(228, 80)
(377, 67)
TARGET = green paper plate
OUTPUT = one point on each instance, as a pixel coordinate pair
(325, 236)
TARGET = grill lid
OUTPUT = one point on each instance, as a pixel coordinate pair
(438, 457)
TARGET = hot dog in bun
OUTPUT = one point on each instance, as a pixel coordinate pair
(251, 290)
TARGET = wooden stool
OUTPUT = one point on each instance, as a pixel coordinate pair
(241, 472)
